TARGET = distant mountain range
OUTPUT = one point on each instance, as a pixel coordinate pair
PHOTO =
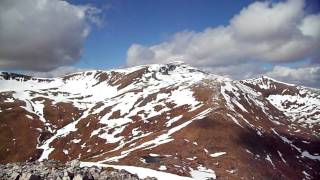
(167, 117)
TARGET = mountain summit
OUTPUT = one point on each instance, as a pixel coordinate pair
(167, 117)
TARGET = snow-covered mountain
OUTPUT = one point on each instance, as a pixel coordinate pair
(167, 117)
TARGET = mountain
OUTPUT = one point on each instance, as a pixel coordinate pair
(167, 117)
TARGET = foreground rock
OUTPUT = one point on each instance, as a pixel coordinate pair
(54, 170)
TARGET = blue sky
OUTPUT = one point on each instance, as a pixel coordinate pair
(235, 38)
(148, 22)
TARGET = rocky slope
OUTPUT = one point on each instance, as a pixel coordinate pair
(167, 117)
(55, 170)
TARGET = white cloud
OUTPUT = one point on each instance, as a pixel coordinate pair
(58, 72)
(267, 21)
(237, 71)
(263, 32)
(308, 76)
(42, 34)
(311, 26)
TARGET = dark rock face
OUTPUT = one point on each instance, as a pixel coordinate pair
(57, 171)
(151, 159)
(166, 69)
(8, 76)
(20, 77)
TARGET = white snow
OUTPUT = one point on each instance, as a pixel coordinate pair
(173, 120)
(301, 108)
(84, 90)
(195, 143)
(9, 100)
(281, 156)
(141, 172)
(60, 133)
(191, 159)
(234, 120)
(269, 159)
(45, 154)
(286, 140)
(76, 141)
(38, 109)
(202, 173)
(162, 139)
(65, 151)
(28, 116)
(306, 174)
(162, 168)
(182, 97)
(109, 137)
(217, 154)
(310, 156)
(154, 155)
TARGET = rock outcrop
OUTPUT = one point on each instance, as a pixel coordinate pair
(54, 170)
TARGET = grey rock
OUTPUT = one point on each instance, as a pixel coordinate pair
(25, 176)
(74, 163)
(53, 170)
(77, 177)
(15, 175)
(35, 177)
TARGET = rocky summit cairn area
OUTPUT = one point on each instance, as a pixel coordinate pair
(55, 170)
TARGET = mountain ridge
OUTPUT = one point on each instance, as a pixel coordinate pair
(13, 75)
(165, 115)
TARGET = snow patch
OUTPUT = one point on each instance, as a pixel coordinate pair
(202, 173)
(141, 172)
(217, 154)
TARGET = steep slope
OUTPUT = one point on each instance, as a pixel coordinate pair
(168, 117)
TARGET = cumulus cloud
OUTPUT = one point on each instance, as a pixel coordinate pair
(58, 72)
(263, 32)
(308, 76)
(238, 71)
(42, 34)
